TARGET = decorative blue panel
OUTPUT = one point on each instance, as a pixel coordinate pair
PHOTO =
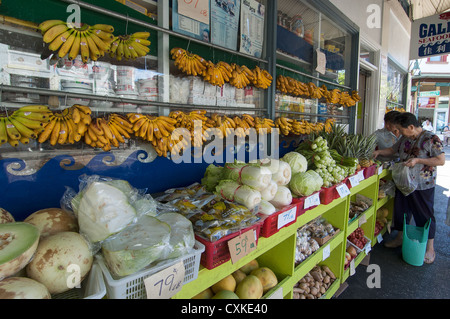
(22, 193)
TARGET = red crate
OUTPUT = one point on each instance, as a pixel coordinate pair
(328, 194)
(370, 171)
(270, 225)
(216, 253)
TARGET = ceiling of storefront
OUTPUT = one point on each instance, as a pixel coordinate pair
(426, 8)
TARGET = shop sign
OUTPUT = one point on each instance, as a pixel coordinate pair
(430, 36)
(430, 93)
(427, 102)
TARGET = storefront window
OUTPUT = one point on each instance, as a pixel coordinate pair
(396, 87)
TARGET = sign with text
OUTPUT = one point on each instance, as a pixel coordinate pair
(427, 102)
(240, 246)
(430, 36)
(166, 283)
(195, 9)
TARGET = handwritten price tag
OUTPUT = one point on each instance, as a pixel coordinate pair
(195, 9)
(312, 200)
(166, 283)
(380, 169)
(360, 175)
(326, 252)
(287, 217)
(354, 180)
(240, 246)
(342, 190)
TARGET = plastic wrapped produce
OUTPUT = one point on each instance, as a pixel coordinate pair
(137, 246)
(182, 238)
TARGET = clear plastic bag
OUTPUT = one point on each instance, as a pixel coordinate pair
(403, 178)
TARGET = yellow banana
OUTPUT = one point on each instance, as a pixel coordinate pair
(45, 134)
(35, 116)
(104, 27)
(54, 31)
(75, 48)
(3, 134)
(60, 40)
(34, 108)
(84, 49)
(55, 132)
(141, 35)
(105, 35)
(101, 45)
(65, 48)
(63, 132)
(11, 130)
(93, 49)
(23, 130)
(46, 25)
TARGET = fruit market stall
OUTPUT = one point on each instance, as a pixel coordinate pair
(137, 149)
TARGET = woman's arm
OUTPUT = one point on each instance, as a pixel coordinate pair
(384, 152)
(432, 161)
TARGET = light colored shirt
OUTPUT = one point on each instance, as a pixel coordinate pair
(428, 146)
(427, 127)
(385, 139)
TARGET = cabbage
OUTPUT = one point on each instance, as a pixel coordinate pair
(296, 161)
(306, 183)
(282, 198)
(182, 237)
(283, 175)
(269, 192)
(137, 246)
(253, 175)
(241, 194)
(212, 176)
(103, 210)
(266, 208)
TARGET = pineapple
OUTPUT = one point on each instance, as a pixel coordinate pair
(367, 147)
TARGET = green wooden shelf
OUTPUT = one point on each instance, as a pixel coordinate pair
(278, 251)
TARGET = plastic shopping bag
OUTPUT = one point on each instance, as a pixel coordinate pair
(403, 178)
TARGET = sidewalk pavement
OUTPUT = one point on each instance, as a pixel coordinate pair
(400, 280)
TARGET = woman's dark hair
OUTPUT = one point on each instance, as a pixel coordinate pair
(405, 119)
(389, 117)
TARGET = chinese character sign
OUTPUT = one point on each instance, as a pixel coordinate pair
(430, 36)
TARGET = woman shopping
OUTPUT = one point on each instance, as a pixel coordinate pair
(422, 151)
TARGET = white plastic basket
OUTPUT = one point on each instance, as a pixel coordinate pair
(93, 287)
(133, 287)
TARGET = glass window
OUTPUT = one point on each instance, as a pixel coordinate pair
(396, 87)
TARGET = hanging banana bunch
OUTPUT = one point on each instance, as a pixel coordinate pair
(187, 62)
(262, 79)
(23, 124)
(130, 46)
(241, 76)
(120, 127)
(264, 125)
(66, 127)
(91, 42)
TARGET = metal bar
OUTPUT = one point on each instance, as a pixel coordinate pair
(47, 92)
(313, 77)
(313, 114)
(156, 28)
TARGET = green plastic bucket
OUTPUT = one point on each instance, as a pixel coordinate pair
(414, 243)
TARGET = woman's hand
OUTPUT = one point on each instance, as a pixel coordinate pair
(411, 162)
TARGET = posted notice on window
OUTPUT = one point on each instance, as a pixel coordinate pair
(252, 27)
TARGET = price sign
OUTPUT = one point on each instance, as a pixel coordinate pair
(354, 180)
(278, 294)
(380, 169)
(352, 267)
(379, 238)
(195, 9)
(312, 200)
(166, 283)
(240, 246)
(326, 252)
(360, 175)
(368, 248)
(342, 190)
(287, 217)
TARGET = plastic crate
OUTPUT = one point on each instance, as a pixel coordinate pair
(92, 287)
(328, 194)
(301, 202)
(271, 223)
(370, 171)
(133, 286)
(217, 252)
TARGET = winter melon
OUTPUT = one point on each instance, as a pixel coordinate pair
(18, 242)
(22, 288)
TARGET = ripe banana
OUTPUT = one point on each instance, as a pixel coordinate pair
(130, 46)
